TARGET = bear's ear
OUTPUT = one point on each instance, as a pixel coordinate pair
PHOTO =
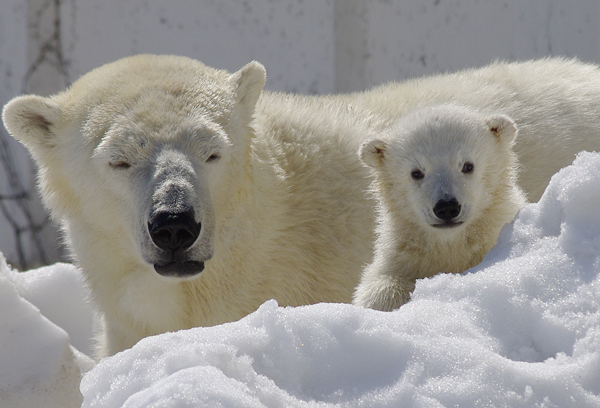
(248, 83)
(32, 120)
(372, 152)
(503, 128)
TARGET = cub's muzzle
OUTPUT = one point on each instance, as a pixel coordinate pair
(447, 211)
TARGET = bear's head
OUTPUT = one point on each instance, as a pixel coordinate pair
(133, 155)
(440, 168)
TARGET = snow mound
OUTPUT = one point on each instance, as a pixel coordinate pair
(38, 367)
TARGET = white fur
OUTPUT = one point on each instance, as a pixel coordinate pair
(283, 212)
(435, 156)
(554, 102)
(283, 209)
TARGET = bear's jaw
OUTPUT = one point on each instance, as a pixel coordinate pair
(448, 224)
(185, 269)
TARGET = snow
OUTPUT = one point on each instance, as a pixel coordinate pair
(38, 366)
(59, 293)
(522, 329)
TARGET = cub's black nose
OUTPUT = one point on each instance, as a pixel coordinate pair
(447, 210)
(174, 231)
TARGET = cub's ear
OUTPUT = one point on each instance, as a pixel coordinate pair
(248, 83)
(503, 128)
(372, 152)
(32, 120)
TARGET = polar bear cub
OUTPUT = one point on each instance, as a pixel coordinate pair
(445, 180)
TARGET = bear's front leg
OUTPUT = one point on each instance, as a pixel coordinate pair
(383, 292)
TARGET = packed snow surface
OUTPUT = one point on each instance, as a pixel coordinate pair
(38, 365)
(522, 329)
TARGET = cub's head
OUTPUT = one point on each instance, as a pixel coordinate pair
(443, 167)
(132, 156)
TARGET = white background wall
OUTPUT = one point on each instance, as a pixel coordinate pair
(307, 47)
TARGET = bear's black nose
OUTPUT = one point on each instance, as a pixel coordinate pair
(447, 210)
(174, 231)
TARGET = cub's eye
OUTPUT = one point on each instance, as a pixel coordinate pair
(213, 157)
(417, 174)
(119, 164)
(468, 167)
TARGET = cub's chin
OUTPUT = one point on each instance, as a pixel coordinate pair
(447, 225)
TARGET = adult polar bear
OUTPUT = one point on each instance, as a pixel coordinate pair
(182, 210)
(156, 175)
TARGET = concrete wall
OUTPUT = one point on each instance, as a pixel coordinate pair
(380, 41)
(24, 233)
(313, 47)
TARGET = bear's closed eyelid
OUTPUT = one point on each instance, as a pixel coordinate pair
(119, 164)
(213, 157)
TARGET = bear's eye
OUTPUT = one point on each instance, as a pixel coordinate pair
(468, 167)
(417, 174)
(213, 157)
(119, 164)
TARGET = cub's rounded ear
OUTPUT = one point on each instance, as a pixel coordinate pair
(248, 83)
(32, 120)
(372, 152)
(503, 128)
